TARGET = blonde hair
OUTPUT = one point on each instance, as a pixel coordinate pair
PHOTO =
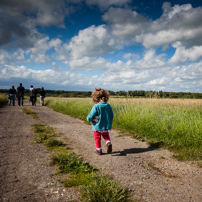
(100, 94)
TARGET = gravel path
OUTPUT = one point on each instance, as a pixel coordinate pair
(150, 174)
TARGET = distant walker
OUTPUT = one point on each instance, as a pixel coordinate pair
(20, 94)
(42, 93)
(32, 95)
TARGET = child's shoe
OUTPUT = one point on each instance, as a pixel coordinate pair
(99, 152)
(109, 148)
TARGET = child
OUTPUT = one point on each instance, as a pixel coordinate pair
(101, 117)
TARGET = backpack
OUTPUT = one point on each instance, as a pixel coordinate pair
(32, 92)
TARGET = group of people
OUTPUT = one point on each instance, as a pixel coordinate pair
(20, 92)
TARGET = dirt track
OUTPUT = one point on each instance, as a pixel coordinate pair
(151, 175)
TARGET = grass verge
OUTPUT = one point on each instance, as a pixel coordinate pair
(93, 186)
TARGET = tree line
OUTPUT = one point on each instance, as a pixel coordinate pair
(131, 93)
(156, 94)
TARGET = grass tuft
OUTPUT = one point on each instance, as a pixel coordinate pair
(30, 112)
(79, 179)
(102, 189)
(44, 134)
(71, 162)
(52, 142)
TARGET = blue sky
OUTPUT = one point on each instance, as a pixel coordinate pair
(114, 44)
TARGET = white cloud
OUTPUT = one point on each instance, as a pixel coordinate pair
(170, 12)
(89, 63)
(48, 77)
(5, 57)
(51, 13)
(8, 71)
(39, 53)
(61, 53)
(57, 68)
(40, 58)
(55, 43)
(178, 23)
(19, 54)
(166, 37)
(53, 63)
(181, 78)
(130, 55)
(41, 46)
(183, 55)
(151, 60)
(158, 81)
(92, 41)
(125, 23)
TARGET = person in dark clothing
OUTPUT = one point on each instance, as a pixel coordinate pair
(12, 94)
(20, 94)
(42, 93)
(32, 95)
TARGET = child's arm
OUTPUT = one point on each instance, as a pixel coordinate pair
(92, 114)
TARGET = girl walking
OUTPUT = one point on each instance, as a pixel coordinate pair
(101, 117)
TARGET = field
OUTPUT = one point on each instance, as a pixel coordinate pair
(175, 124)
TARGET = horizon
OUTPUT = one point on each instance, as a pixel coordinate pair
(191, 91)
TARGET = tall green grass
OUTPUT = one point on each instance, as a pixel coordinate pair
(175, 127)
(3, 99)
(172, 124)
(78, 108)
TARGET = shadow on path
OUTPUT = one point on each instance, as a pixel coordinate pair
(132, 151)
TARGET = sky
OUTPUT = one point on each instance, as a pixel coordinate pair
(119, 45)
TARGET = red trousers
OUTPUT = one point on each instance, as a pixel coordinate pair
(97, 136)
